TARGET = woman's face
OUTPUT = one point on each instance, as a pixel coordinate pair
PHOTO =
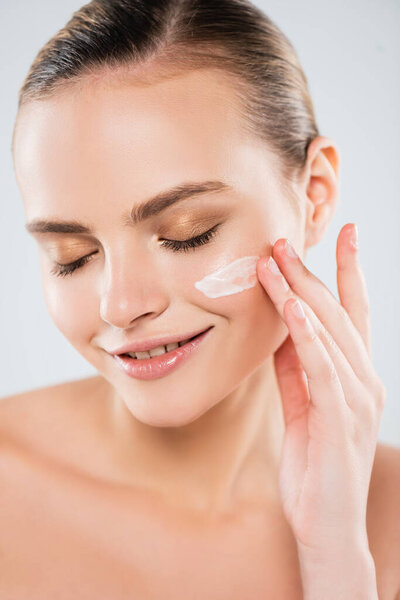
(92, 154)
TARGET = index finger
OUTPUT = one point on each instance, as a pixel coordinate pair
(351, 283)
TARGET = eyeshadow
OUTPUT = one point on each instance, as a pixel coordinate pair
(191, 223)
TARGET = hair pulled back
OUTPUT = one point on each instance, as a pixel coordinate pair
(182, 35)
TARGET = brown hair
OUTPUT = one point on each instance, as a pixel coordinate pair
(179, 35)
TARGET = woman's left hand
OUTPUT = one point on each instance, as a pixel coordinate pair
(332, 399)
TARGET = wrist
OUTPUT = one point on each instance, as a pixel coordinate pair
(338, 575)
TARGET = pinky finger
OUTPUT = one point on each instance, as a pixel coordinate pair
(324, 385)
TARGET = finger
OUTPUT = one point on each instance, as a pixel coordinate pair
(331, 314)
(324, 386)
(295, 400)
(280, 292)
(351, 283)
(292, 381)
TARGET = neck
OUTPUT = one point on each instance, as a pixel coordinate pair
(228, 456)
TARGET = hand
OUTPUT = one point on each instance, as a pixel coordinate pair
(331, 396)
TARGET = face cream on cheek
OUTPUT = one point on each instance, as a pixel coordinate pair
(239, 275)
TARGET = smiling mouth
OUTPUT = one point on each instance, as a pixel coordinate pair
(168, 349)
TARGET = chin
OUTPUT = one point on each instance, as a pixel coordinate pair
(175, 411)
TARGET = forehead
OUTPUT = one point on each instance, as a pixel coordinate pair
(105, 135)
(201, 104)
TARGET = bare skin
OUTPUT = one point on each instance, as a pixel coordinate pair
(68, 524)
(115, 487)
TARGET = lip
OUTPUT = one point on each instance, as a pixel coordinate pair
(151, 343)
(159, 366)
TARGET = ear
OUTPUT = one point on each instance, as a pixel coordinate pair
(320, 184)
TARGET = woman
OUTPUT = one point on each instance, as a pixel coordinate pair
(163, 152)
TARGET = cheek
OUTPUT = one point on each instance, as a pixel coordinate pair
(214, 274)
(256, 326)
(234, 291)
(235, 277)
(72, 308)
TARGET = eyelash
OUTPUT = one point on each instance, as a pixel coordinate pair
(186, 245)
(174, 245)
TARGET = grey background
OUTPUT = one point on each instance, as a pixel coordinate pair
(350, 53)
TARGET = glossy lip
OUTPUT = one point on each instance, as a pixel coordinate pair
(159, 366)
(151, 343)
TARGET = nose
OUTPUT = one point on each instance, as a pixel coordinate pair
(131, 288)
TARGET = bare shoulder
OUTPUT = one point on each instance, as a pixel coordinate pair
(383, 517)
(45, 393)
(28, 416)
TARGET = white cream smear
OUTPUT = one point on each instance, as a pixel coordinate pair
(239, 275)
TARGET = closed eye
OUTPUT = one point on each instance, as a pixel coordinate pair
(61, 270)
(185, 245)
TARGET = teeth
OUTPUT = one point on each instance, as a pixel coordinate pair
(156, 351)
(172, 346)
(143, 354)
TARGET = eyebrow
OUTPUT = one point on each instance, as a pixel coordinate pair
(139, 213)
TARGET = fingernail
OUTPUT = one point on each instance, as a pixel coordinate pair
(354, 236)
(298, 310)
(290, 251)
(272, 266)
